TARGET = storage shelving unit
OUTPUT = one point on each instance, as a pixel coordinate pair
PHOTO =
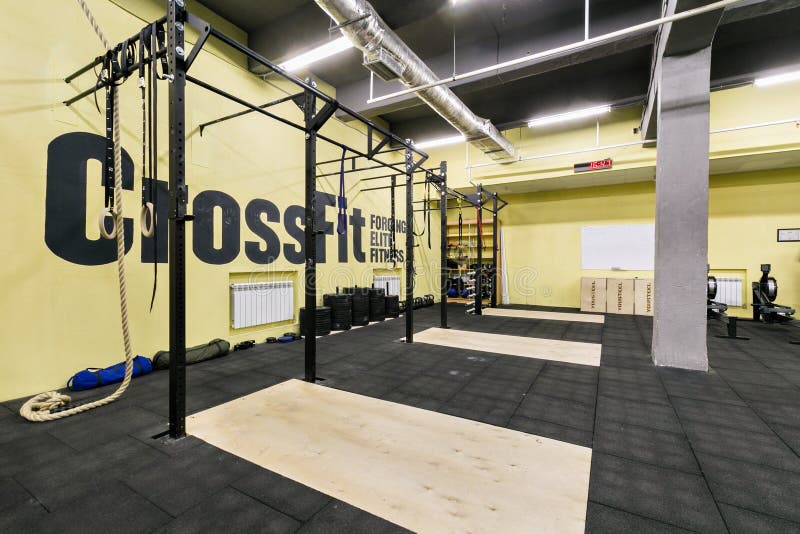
(466, 253)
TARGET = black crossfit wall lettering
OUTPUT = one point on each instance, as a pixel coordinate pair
(66, 215)
(203, 229)
(65, 202)
(358, 222)
(252, 216)
(324, 227)
(292, 220)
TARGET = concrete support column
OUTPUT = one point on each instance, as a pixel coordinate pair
(679, 323)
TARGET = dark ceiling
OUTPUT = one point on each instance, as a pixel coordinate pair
(760, 36)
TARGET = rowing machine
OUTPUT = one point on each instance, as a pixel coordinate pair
(716, 310)
(765, 291)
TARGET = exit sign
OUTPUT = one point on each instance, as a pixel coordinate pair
(594, 165)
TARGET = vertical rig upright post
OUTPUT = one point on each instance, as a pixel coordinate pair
(393, 239)
(309, 321)
(409, 246)
(443, 239)
(495, 240)
(479, 266)
(176, 16)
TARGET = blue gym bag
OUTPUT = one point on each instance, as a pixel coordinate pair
(94, 377)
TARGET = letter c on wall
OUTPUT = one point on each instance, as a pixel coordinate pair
(65, 201)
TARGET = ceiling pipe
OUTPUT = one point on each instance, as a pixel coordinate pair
(390, 58)
(596, 148)
(586, 44)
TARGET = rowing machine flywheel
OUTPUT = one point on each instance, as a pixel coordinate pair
(711, 292)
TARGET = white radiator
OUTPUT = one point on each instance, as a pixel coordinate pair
(729, 291)
(261, 303)
(392, 280)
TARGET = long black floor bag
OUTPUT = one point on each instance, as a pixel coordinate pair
(213, 349)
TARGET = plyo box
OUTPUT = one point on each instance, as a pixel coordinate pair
(619, 295)
(593, 295)
(643, 296)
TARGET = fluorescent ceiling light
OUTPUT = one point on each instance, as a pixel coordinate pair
(572, 115)
(321, 52)
(440, 142)
(778, 78)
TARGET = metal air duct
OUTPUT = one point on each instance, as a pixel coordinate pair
(390, 58)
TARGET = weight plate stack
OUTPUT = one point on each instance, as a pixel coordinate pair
(322, 320)
(356, 290)
(392, 306)
(341, 310)
(377, 304)
(359, 305)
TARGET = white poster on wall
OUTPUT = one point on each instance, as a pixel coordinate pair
(629, 247)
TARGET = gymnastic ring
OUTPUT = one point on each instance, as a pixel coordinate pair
(101, 223)
(148, 231)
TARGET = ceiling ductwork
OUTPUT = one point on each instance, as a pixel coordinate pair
(391, 59)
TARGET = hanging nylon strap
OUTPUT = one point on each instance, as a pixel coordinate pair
(460, 224)
(428, 206)
(154, 45)
(147, 219)
(341, 225)
(108, 174)
(480, 221)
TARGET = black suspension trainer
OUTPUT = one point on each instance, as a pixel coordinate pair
(108, 176)
(111, 65)
(156, 43)
(425, 222)
(148, 211)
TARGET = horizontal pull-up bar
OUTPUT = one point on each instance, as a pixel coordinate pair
(287, 122)
(258, 58)
(247, 111)
(377, 177)
(347, 171)
(380, 187)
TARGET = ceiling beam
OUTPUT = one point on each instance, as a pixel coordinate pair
(674, 39)
(694, 34)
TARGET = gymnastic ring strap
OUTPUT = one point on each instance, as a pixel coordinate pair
(101, 223)
(147, 209)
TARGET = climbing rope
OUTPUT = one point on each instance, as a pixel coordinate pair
(45, 406)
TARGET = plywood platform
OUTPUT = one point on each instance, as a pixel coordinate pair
(528, 347)
(549, 316)
(423, 470)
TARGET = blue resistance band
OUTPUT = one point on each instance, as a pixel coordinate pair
(341, 226)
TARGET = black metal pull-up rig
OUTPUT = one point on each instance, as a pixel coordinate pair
(379, 142)
(482, 200)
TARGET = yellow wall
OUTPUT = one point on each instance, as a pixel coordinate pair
(59, 317)
(749, 199)
(732, 108)
(543, 234)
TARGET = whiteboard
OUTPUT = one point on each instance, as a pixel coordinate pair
(629, 247)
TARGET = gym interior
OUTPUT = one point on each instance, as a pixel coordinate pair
(375, 266)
